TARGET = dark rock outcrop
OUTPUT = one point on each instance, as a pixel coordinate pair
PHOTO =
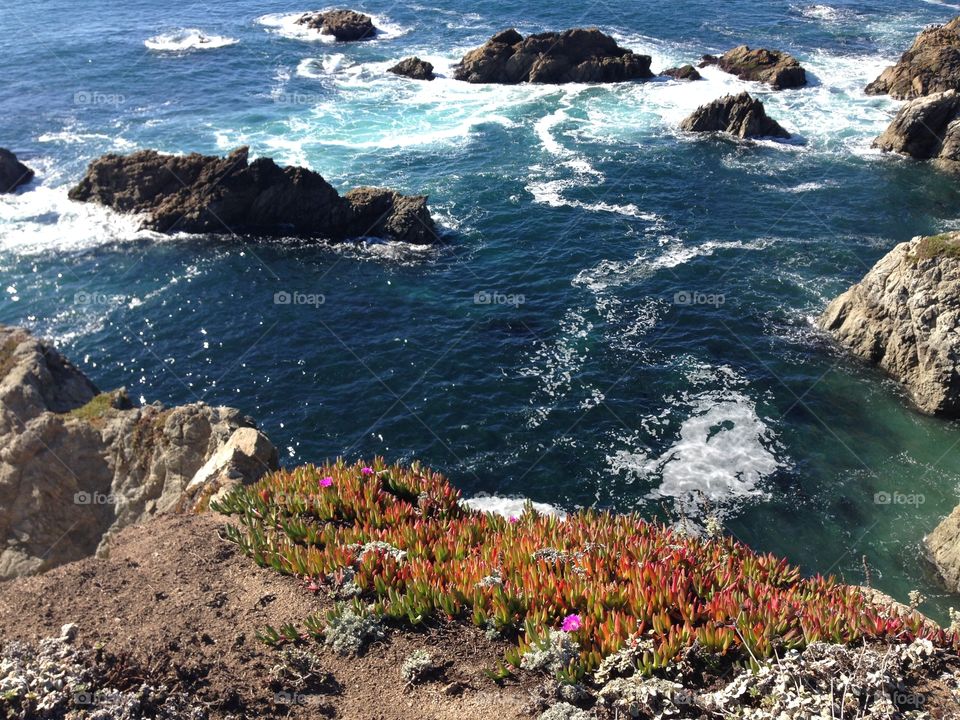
(926, 129)
(904, 317)
(931, 65)
(209, 194)
(777, 69)
(77, 465)
(13, 173)
(345, 25)
(414, 68)
(579, 55)
(684, 72)
(739, 115)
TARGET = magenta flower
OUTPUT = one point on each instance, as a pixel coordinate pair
(571, 623)
(367, 470)
(326, 482)
(513, 519)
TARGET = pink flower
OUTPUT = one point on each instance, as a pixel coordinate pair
(326, 482)
(571, 623)
(367, 470)
(513, 519)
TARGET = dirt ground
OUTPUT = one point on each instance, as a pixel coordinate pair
(186, 606)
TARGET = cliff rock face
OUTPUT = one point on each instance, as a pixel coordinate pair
(345, 25)
(208, 194)
(943, 548)
(77, 465)
(931, 65)
(925, 129)
(739, 115)
(777, 69)
(904, 317)
(580, 55)
(13, 173)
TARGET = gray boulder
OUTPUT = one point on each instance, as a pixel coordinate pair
(739, 115)
(13, 173)
(926, 129)
(209, 194)
(931, 65)
(778, 69)
(413, 68)
(904, 317)
(943, 549)
(582, 55)
(77, 465)
(344, 25)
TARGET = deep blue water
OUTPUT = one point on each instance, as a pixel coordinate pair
(599, 387)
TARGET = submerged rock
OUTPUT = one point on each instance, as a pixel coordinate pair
(209, 194)
(773, 67)
(904, 317)
(414, 68)
(13, 173)
(931, 65)
(739, 115)
(77, 465)
(345, 25)
(926, 129)
(684, 72)
(580, 55)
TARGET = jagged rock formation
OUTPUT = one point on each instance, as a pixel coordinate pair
(926, 129)
(345, 25)
(13, 173)
(739, 115)
(77, 465)
(931, 65)
(209, 194)
(773, 67)
(413, 68)
(904, 317)
(579, 55)
(684, 72)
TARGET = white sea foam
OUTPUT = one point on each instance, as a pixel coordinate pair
(45, 219)
(608, 274)
(510, 507)
(188, 39)
(285, 24)
(720, 450)
(555, 363)
(821, 12)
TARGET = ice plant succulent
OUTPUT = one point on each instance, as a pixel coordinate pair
(414, 551)
(571, 623)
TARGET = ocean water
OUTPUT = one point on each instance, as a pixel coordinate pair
(619, 315)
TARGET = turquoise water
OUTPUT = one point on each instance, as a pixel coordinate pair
(580, 212)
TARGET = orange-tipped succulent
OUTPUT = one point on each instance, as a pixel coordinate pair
(414, 551)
